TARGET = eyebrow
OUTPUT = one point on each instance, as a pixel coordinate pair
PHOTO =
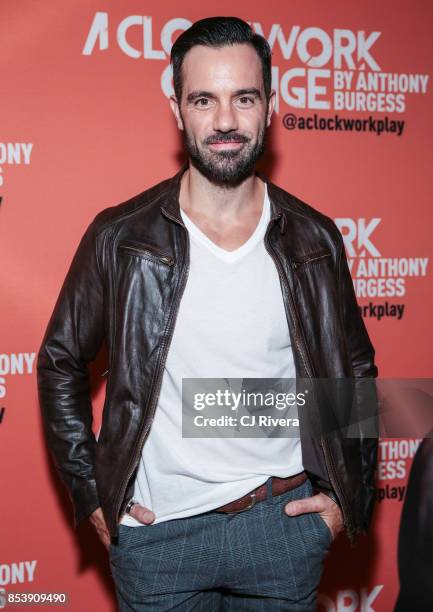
(208, 94)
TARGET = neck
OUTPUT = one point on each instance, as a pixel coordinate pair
(198, 195)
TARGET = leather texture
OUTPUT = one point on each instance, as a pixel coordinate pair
(124, 287)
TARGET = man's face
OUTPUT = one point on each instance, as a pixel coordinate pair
(223, 111)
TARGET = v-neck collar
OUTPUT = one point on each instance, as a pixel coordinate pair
(246, 247)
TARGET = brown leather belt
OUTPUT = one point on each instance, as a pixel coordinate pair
(279, 486)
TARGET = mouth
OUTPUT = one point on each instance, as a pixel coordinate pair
(218, 146)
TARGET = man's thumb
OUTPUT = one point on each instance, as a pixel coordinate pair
(300, 506)
(142, 514)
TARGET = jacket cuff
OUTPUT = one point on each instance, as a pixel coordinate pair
(85, 501)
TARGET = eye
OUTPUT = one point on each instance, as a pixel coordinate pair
(245, 101)
(202, 102)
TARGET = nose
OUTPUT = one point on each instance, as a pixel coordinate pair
(225, 118)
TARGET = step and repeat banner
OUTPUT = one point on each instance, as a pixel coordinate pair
(86, 124)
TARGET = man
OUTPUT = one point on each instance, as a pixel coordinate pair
(213, 273)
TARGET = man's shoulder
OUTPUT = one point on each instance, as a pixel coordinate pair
(113, 215)
(301, 213)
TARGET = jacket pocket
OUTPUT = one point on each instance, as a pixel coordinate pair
(311, 259)
(144, 251)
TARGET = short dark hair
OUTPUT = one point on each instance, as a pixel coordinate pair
(219, 32)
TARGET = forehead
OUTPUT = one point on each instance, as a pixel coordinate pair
(226, 68)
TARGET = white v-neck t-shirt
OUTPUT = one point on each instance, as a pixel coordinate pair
(231, 323)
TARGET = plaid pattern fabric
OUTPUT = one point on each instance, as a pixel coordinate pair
(260, 559)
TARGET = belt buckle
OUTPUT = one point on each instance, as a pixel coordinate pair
(250, 505)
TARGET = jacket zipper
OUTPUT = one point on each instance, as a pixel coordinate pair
(147, 254)
(154, 392)
(308, 367)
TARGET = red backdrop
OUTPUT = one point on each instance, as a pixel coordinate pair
(86, 124)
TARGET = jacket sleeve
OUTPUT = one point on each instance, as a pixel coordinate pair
(72, 339)
(365, 404)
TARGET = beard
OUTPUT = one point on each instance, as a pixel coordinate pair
(230, 167)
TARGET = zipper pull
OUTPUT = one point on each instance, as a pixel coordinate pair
(167, 259)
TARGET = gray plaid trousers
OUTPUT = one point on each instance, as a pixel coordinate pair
(259, 559)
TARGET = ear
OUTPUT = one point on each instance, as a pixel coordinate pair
(176, 111)
(271, 107)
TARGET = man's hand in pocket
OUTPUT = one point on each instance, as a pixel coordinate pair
(327, 508)
(98, 521)
(140, 513)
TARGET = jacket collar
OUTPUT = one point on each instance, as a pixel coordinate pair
(171, 205)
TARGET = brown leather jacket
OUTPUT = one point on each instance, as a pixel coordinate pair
(124, 286)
